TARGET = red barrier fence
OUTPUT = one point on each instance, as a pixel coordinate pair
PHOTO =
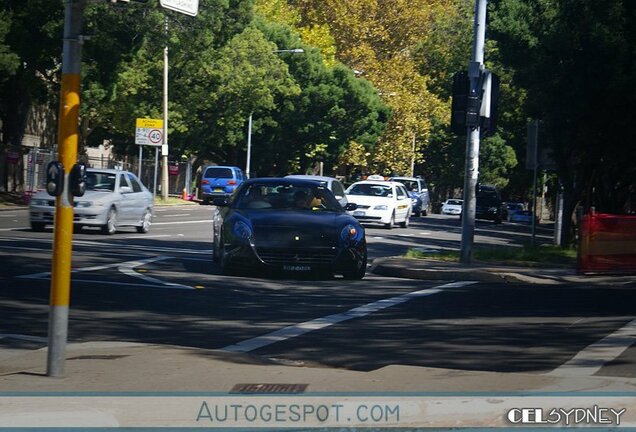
(607, 244)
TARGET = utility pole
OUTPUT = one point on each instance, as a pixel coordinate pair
(471, 174)
(164, 146)
(63, 230)
(249, 146)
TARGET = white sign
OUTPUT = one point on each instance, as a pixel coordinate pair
(149, 132)
(188, 7)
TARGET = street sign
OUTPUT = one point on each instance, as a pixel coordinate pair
(188, 7)
(149, 132)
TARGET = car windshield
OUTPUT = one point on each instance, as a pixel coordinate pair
(370, 189)
(411, 185)
(454, 202)
(99, 181)
(218, 172)
(266, 196)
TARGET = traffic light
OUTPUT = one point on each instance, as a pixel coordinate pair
(489, 108)
(77, 180)
(461, 87)
(54, 178)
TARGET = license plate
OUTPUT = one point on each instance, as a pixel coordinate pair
(296, 268)
(358, 213)
(218, 190)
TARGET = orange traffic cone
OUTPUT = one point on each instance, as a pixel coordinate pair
(184, 194)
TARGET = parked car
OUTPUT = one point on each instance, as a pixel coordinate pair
(384, 202)
(452, 206)
(512, 208)
(489, 205)
(416, 187)
(287, 224)
(113, 199)
(524, 216)
(219, 181)
(334, 185)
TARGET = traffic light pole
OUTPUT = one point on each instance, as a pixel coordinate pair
(472, 141)
(63, 231)
(164, 147)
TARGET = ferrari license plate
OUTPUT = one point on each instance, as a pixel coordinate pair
(359, 213)
(296, 268)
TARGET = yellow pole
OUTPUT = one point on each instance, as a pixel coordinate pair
(63, 230)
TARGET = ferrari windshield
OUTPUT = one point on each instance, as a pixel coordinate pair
(264, 196)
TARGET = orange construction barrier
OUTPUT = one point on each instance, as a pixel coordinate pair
(607, 244)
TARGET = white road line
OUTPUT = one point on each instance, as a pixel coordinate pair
(128, 269)
(23, 337)
(591, 359)
(95, 282)
(8, 215)
(207, 221)
(15, 229)
(320, 323)
(96, 268)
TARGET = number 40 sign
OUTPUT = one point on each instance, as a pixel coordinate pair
(149, 132)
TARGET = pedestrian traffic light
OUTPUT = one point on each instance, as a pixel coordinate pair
(54, 178)
(489, 108)
(77, 180)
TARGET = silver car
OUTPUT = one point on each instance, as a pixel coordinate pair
(113, 199)
(331, 183)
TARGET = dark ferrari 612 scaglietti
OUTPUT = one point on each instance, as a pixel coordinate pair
(288, 224)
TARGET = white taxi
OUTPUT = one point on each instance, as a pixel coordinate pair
(378, 201)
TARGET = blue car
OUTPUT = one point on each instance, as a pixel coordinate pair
(219, 181)
(289, 225)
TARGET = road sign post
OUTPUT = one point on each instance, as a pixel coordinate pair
(149, 132)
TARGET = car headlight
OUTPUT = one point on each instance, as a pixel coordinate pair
(380, 207)
(84, 204)
(39, 202)
(241, 230)
(492, 209)
(414, 200)
(350, 233)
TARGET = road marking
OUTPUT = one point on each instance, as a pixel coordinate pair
(126, 267)
(15, 229)
(591, 359)
(425, 233)
(176, 215)
(8, 215)
(320, 323)
(182, 222)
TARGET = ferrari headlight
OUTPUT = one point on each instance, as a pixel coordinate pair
(241, 230)
(380, 207)
(350, 233)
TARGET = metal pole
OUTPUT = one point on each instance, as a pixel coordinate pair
(154, 182)
(249, 146)
(472, 140)
(63, 230)
(413, 158)
(164, 147)
(534, 183)
(558, 223)
(141, 155)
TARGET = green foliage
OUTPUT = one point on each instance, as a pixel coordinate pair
(575, 58)
(9, 61)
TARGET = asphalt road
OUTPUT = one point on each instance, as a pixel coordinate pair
(162, 288)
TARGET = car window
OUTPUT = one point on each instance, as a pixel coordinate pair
(100, 181)
(136, 187)
(337, 188)
(370, 189)
(401, 192)
(123, 181)
(285, 196)
(454, 202)
(218, 172)
(410, 185)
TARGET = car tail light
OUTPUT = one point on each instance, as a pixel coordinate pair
(205, 182)
(232, 182)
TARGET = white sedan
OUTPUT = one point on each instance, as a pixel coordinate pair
(452, 207)
(384, 202)
(113, 198)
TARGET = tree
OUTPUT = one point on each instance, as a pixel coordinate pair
(575, 58)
